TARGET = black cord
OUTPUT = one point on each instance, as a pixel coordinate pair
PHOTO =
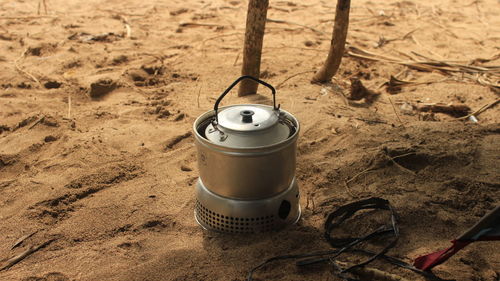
(347, 211)
(344, 245)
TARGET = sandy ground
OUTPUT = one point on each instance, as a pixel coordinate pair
(101, 174)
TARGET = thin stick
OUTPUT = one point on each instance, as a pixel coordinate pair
(395, 112)
(69, 105)
(36, 123)
(349, 190)
(368, 273)
(337, 46)
(445, 29)
(25, 254)
(401, 167)
(480, 110)
(374, 167)
(291, 76)
(403, 83)
(29, 75)
(279, 9)
(219, 36)
(22, 239)
(402, 155)
(198, 97)
(298, 24)
(236, 59)
(140, 91)
(27, 17)
(184, 205)
(367, 170)
(187, 24)
(383, 41)
(431, 65)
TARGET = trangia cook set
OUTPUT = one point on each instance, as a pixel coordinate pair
(246, 161)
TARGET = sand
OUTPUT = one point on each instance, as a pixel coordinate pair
(98, 98)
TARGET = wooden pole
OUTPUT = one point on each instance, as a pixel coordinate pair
(252, 50)
(337, 46)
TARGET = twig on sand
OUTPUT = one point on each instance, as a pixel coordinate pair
(483, 75)
(193, 24)
(69, 105)
(27, 17)
(297, 24)
(291, 76)
(25, 254)
(395, 111)
(137, 89)
(220, 36)
(383, 41)
(279, 9)
(348, 189)
(380, 164)
(453, 34)
(29, 75)
(22, 239)
(184, 205)
(36, 123)
(399, 165)
(198, 97)
(428, 65)
(394, 84)
(113, 11)
(236, 59)
(201, 45)
(368, 273)
(480, 110)
(367, 170)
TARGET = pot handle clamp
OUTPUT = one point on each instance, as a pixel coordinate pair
(273, 91)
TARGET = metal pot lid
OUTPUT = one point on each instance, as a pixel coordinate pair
(250, 126)
(248, 118)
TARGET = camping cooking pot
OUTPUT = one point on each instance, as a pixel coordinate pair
(246, 151)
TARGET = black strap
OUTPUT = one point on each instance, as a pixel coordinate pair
(338, 217)
(345, 245)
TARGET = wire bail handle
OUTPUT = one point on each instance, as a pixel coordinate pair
(217, 102)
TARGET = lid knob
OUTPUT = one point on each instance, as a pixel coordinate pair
(247, 116)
